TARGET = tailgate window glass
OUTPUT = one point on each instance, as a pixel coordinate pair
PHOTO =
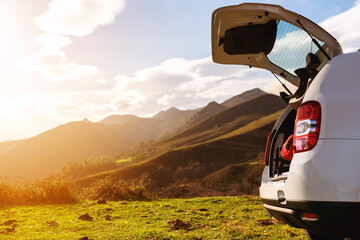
(291, 47)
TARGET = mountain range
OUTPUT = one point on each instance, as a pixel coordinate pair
(185, 143)
(220, 152)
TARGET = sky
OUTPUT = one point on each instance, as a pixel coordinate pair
(67, 60)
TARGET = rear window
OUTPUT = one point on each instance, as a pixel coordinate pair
(292, 44)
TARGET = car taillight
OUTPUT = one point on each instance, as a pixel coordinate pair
(267, 149)
(307, 126)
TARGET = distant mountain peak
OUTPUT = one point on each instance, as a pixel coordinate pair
(120, 119)
(169, 113)
(173, 109)
(213, 103)
(210, 109)
(245, 96)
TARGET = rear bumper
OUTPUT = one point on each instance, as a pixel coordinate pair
(335, 219)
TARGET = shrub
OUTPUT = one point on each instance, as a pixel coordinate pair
(46, 191)
(89, 166)
(52, 190)
(115, 190)
(6, 194)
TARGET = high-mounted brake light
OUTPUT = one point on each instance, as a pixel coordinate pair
(307, 126)
(267, 149)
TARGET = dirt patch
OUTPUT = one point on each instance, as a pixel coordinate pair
(9, 222)
(51, 224)
(267, 222)
(203, 210)
(85, 238)
(7, 230)
(101, 201)
(85, 217)
(178, 224)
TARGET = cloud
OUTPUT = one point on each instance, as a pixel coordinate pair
(188, 84)
(53, 65)
(78, 17)
(165, 100)
(63, 18)
(52, 41)
(343, 28)
(184, 84)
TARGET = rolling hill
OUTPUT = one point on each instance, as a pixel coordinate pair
(6, 146)
(247, 95)
(175, 120)
(209, 110)
(50, 151)
(220, 152)
(229, 120)
(170, 119)
(207, 163)
(217, 140)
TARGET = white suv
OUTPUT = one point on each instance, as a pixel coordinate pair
(319, 189)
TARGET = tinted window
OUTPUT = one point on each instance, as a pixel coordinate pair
(250, 39)
(291, 47)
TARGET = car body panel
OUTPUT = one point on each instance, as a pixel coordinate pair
(337, 89)
(312, 175)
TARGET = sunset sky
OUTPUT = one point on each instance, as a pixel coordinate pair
(66, 60)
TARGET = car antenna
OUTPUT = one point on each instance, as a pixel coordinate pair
(282, 84)
(315, 41)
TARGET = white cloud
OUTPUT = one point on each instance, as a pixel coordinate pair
(53, 65)
(68, 17)
(185, 84)
(101, 80)
(53, 41)
(344, 28)
(78, 17)
(165, 100)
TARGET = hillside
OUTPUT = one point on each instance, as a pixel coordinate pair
(229, 120)
(175, 120)
(209, 110)
(213, 127)
(205, 163)
(245, 96)
(223, 152)
(131, 120)
(170, 119)
(6, 146)
(217, 138)
(51, 150)
(188, 164)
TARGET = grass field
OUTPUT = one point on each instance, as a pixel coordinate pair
(202, 218)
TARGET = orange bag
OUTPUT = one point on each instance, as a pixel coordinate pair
(287, 150)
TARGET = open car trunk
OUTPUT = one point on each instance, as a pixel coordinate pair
(283, 42)
(283, 128)
(273, 38)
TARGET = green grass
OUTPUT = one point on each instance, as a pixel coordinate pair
(210, 218)
(129, 159)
